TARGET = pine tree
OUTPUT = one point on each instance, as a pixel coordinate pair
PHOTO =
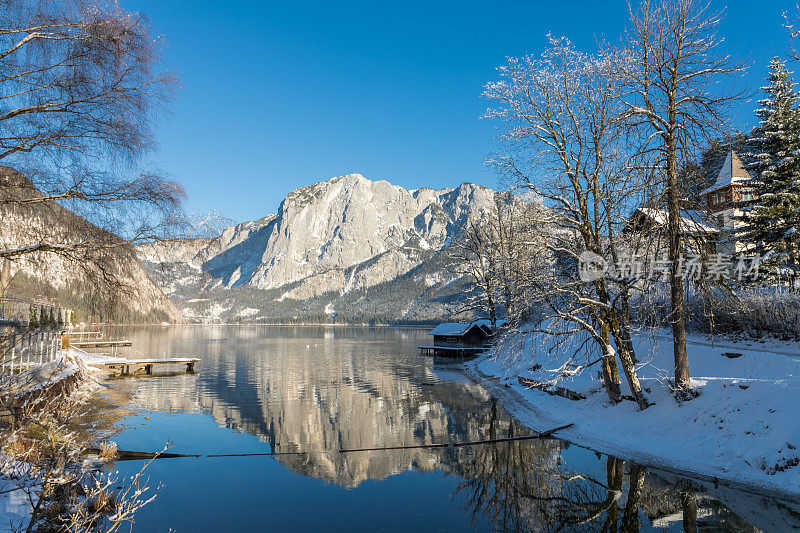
(33, 317)
(773, 224)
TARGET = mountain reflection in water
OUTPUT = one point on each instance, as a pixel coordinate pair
(320, 389)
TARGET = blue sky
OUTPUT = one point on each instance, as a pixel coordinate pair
(277, 95)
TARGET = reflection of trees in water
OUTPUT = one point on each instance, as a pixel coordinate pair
(524, 486)
(501, 478)
(305, 391)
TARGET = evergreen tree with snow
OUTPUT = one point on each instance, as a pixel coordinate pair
(773, 224)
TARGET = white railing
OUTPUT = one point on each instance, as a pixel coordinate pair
(31, 349)
(30, 333)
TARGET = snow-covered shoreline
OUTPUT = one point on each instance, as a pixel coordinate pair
(743, 429)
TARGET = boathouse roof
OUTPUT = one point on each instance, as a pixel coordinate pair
(459, 329)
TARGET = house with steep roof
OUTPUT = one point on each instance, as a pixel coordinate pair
(692, 222)
(725, 200)
(716, 225)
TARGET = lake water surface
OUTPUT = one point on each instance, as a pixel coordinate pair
(318, 390)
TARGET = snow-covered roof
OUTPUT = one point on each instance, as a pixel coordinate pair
(454, 329)
(450, 329)
(691, 221)
(732, 172)
(486, 324)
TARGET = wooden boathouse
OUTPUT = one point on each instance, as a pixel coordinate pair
(459, 339)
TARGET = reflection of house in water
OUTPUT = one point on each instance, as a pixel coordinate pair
(668, 499)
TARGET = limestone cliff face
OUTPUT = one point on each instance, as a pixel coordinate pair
(337, 224)
(331, 238)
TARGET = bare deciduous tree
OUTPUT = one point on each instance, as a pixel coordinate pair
(495, 251)
(474, 253)
(563, 141)
(791, 25)
(80, 87)
(674, 73)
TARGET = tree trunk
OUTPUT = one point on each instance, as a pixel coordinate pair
(630, 375)
(630, 517)
(678, 315)
(628, 366)
(626, 325)
(5, 276)
(614, 475)
(610, 370)
(492, 315)
(689, 506)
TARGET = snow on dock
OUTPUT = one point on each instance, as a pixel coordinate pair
(139, 365)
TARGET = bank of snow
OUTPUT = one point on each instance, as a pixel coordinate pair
(743, 428)
(62, 376)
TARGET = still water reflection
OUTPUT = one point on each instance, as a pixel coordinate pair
(319, 389)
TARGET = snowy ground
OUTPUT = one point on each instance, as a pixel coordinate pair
(41, 377)
(743, 428)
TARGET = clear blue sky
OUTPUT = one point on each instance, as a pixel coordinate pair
(277, 95)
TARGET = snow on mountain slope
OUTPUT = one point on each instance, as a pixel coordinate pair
(347, 233)
(81, 282)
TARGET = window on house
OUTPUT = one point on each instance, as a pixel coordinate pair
(747, 194)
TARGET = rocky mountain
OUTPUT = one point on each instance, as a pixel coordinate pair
(348, 249)
(103, 282)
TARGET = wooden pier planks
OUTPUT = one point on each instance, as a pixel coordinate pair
(100, 344)
(146, 365)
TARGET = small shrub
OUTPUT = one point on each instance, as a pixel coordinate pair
(108, 450)
(754, 312)
(102, 502)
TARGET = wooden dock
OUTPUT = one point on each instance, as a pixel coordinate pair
(146, 365)
(100, 344)
(451, 351)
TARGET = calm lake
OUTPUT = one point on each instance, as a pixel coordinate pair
(317, 390)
